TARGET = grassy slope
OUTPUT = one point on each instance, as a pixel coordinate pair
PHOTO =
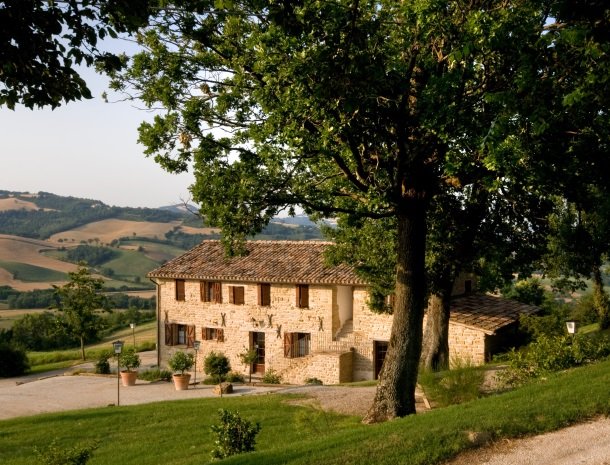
(32, 273)
(178, 432)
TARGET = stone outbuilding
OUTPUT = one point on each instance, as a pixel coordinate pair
(304, 319)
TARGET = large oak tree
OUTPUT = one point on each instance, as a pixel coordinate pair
(362, 108)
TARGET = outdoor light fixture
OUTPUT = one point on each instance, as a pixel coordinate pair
(571, 325)
(118, 348)
(133, 333)
(196, 345)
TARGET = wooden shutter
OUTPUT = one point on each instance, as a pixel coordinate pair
(231, 294)
(302, 295)
(202, 293)
(190, 335)
(217, 292)
(169, 339)
(220, 335)
(264, 294)
(180, 294)
(239, 297)
(288, 340)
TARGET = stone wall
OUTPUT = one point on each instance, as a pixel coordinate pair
(332, 361)
(240, 320)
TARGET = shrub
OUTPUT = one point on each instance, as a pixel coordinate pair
(271, 377)
(216, 365)
(234, 435)
(235, 377)
(13, 361)
(102, 366)
(55, 455)
(130, 359)
(313, 381)
(181, 361)
(155, 375)
(460, 384)
(549, 354)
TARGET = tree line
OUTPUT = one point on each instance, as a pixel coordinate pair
(45, 298)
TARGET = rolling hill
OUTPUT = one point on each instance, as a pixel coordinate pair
(43, 236)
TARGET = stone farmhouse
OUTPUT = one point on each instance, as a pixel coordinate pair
(305, 319)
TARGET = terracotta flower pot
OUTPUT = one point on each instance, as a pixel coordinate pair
(129, 378)
(181, 382)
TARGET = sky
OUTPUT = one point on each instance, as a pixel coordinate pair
(85, 149)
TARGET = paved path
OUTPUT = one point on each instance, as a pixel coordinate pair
(56, 391)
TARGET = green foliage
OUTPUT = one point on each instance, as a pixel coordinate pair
(314, 381)
(181, 361)
(54, 454)
(584, 310)
(130, 359)
(13, 361)
(216, 365)
(528, 291)
(234, 434)
(42, 331)
(271, 377)
(234, 377)
(548, 354)
(462, 383)
(78, 302)
(92, 255)
(155, 374)
(102, 365)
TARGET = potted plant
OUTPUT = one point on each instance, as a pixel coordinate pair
(130, 360)
(179, 363)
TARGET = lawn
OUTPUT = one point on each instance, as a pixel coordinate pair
(179, 432)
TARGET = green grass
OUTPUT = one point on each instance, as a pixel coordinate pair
(32, 273)
(178, 432)
(157, 252)
(52, 360)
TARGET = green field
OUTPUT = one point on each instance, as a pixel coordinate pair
(179, 432)
(159, 253)
(32, 273)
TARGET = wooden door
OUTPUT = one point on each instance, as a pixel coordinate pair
(257, 341)
(380, 348)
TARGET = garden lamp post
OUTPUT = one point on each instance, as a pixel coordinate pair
(133, 333)
(196, 345)
(118, 348)
(571, 325)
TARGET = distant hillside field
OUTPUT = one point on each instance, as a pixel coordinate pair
(16, 204)
(43, 236)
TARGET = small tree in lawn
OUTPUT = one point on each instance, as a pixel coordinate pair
(234, 434)
(248, 357)
(216, 365)
(78, 301)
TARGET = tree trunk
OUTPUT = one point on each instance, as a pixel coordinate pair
(395, 395)
(600, 300)
(435, 350)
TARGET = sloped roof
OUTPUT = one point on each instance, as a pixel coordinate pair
(487, 312)
(266, 261)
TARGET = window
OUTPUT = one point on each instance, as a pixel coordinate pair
(296, 344)
(302, 295)
(213, 334)
(178, 334)
(468, 286)
(236, 295)
(264, 294)
(180, 295)
(211, 291)
(390, 300)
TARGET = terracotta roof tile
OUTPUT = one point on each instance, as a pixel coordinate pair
(266, 261)
(487, 312)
